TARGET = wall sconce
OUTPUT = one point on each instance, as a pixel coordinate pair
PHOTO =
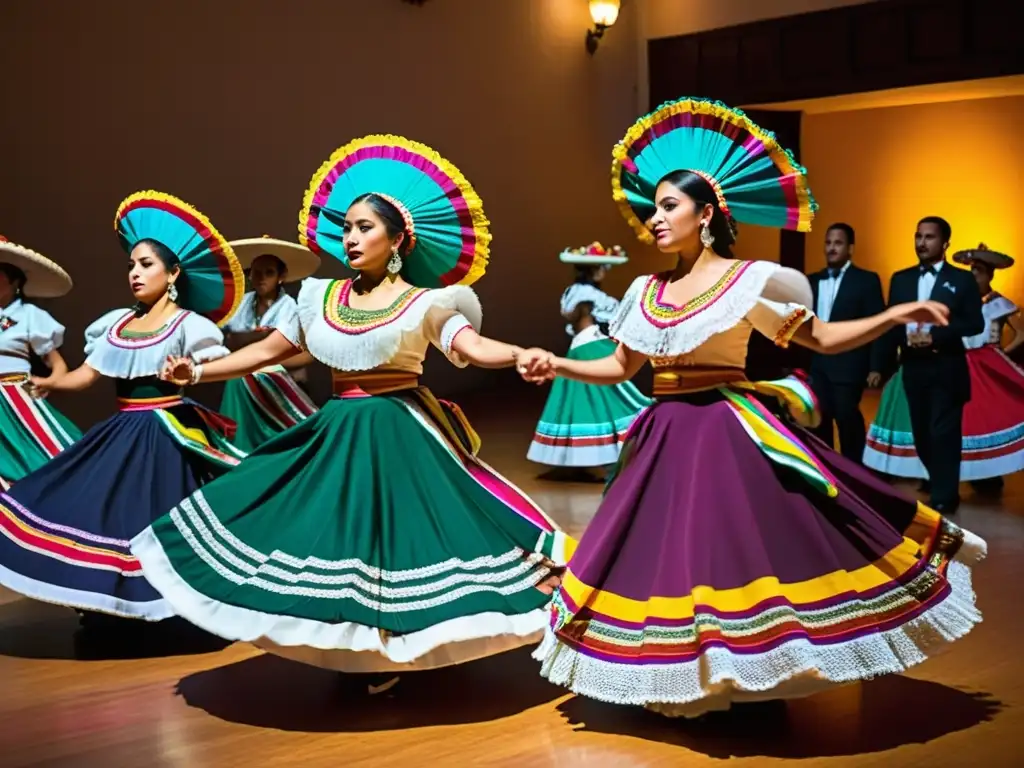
(604, 13)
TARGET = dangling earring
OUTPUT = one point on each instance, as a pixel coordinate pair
(706, 238)
(172, 292)
(394, 265)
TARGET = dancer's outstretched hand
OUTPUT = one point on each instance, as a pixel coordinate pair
(535, 365)
(934, 312)
(37, 387)
(177, 370)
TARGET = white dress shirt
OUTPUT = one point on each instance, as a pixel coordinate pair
(828, 289)
(925, 285)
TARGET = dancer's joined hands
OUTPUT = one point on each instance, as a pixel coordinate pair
(177, 370)
(536, 365)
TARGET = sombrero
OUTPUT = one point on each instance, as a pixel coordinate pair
(982, 253)
(44, 279)
(212, 282)
(595, 253)
(755, 179)
(300, 261)
(444, 215)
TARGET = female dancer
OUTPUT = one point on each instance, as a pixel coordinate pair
(269, 401)
(584, 425)
(369, 538)
(993, 423)
(733, 557)
(67, 524)
(31, 431)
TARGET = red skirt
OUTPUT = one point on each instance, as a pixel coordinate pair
(993, 425)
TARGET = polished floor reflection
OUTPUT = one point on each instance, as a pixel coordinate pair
(175, 698)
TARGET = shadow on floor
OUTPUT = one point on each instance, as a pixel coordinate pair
(852, 720)
(34, 630)
(271, 692)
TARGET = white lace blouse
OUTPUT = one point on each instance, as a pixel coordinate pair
(712, 329)
(282, 316)
(120, 354)
(395, 338)
(996, 311)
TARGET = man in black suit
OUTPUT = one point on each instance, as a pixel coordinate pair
(844, 291)
(935, 374)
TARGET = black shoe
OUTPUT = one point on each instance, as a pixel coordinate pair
(945, 509)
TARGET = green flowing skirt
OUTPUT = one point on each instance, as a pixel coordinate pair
(31, 433)
(264, 404)
(368, 537)
(584, 425)
(890, 441)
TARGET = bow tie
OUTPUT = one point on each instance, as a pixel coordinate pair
(928, 269)
(834, 272)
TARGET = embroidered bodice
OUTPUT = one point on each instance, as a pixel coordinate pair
(282, 316)
(996, 310)
(121, 354)
(604, 307)
(709, 334)
(25, 328)
(395, 338)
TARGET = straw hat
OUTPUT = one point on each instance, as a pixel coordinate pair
(982, 253)
(300, 261)
(44, 278)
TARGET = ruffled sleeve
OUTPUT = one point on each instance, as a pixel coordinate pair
(98, 329)
(447, 319)
(285, 320)
(202, 340)
(629, 306)
(784, 305)
(44, 333)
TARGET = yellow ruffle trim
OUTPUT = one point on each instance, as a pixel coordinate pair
(782, 158)
(475, 206)
(237, 274)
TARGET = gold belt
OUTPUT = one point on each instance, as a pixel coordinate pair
(678, 381)
(357, 383)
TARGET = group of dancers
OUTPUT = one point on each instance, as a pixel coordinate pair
(734, 557)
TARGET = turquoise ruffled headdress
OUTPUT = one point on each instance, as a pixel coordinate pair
(444, 216)
(214, 283)
(755, 179)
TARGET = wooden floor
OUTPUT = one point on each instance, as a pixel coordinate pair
(67, 706)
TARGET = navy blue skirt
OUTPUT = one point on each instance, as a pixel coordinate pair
(67, 526)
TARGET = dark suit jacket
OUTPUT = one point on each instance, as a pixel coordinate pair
(859, 295)
(945, 359)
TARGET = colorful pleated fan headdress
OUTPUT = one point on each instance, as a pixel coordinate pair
(445, 221)
(755, 179)
(213, 282)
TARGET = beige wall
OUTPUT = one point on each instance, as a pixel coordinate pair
(233, 104)
(900, 164)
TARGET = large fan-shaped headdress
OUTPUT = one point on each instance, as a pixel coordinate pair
(213, 283)
(445, 221)
(755, 179)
